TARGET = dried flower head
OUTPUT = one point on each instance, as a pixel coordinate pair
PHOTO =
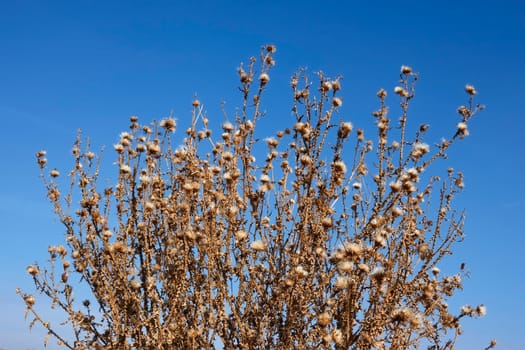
(481, 310)
(30, 300)
(462, 129)
(153, 149)
(339, 167)
(395, 186)
(396, 211)
(169, 124)
(135, 284)
(241, 235)
(125, 136)
(469, 89)
(265, 178)
(337, 336)
(264, 78)
(326, 86)
(125, 169)
(271, 48)
(406, 70)
(118, 147)
(377, 273)
(326, 222)
(400, 91)
(33, 270)
(258, 246)
(345, 266)
(272, 142)
(324, 319)
(300, 271)
(227, 126)
(344, 130)
(341, 282)
(419, 149)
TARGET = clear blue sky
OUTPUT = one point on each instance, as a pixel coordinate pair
(92, 64)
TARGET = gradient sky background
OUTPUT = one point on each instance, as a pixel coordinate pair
(92, 64)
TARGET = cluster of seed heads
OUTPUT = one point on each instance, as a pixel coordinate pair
(316, 246)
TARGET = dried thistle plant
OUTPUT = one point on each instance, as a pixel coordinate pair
(332, 241)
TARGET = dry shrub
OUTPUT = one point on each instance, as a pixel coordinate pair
(316, 246)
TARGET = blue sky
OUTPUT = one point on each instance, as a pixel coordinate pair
(92, 64)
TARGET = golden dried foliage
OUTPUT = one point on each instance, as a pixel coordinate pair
(314, 247)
